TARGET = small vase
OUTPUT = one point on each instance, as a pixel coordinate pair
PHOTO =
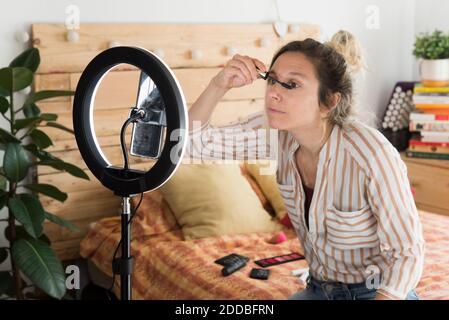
(434, 73)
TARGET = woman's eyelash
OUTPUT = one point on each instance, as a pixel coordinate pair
(290, 84)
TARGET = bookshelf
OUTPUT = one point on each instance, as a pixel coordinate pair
(430, 179)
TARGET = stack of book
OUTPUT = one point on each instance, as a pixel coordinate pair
(430, 136)
(433, 100)
(429, 124)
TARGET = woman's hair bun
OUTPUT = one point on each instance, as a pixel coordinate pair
(349, 47)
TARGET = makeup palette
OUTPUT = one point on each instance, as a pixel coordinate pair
(268, 262)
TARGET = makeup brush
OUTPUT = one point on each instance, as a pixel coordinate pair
(263, 75)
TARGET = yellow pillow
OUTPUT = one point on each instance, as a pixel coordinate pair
(209, 200)
(268, 184)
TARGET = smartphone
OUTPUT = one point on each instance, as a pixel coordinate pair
(148, 133)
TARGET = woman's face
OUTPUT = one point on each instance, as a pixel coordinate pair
(295, 108)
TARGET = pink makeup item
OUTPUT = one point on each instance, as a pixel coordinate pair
(278, 238)
(268, 262)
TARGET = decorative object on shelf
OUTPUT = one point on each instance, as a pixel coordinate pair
(265, 42)
(433, 50)
(280, 27)
(395, 121)
(231, 51)
(22, 36)
(72, 36)
(196, 54)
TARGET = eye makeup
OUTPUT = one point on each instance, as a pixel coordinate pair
(268, 262)
(271, 80)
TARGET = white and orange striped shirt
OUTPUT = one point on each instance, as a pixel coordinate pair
(362, 219)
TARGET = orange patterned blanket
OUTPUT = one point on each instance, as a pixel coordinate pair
(167, 267)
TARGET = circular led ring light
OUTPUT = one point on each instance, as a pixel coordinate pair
(133, 182)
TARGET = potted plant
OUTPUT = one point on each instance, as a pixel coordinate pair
(23, 144)
(433, 50)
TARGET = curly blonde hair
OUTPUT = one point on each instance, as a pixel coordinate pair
(335, 62)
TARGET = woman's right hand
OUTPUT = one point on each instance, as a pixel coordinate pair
(238, 72)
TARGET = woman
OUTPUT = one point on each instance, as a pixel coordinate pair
(344, 185)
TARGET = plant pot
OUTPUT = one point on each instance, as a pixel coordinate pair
(434, 73)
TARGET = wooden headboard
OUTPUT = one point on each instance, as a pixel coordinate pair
(194, 51)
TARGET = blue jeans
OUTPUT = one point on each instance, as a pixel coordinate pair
(330, 290)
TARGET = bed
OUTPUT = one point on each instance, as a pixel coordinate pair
(168, 267)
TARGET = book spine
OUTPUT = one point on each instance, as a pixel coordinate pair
(432, 106)
(414, 142)
(428, 117)
(435, 134)
(439, 126)
(430, 94)
(429, 149)
(431, 90)
(430, 100)
(426, 155)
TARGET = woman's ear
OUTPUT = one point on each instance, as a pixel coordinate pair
(336, 98)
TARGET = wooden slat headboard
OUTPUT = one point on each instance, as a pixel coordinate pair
(62, 64)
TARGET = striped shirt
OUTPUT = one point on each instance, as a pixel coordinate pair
(364, 225)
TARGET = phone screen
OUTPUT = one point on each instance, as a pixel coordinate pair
(149, 132)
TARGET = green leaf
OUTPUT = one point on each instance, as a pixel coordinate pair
(30, 59)
(41, 154)
(47, 94)
(15, 162)
(31, 220)
(64, 166)
(21, 233)
(3, 92)
(28, 211)
(31, 110)
(3, 199)
(432, 45)
(60, 221)
(38, 262)
(3, 255)
(60, 126)
(3, 182)
(49, 116)
(6, 282)
(47, 159)
(29, 121)
(41, 138)
(24, 123)
(15, 79)
(48, 190)
(6, 137)
(4, 105)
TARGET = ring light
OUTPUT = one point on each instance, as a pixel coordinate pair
(160, 106)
